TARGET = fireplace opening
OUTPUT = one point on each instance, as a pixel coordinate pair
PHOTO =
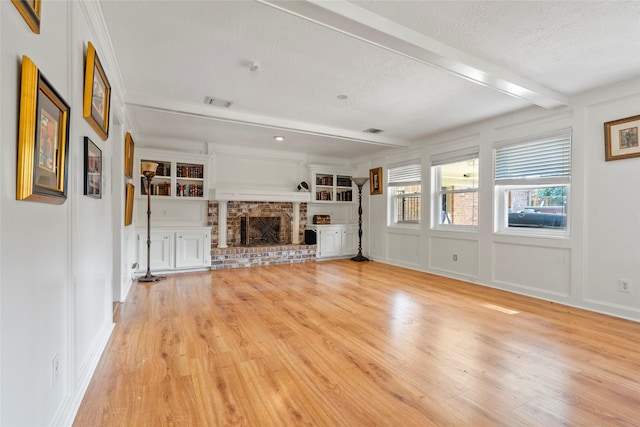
(260, 230)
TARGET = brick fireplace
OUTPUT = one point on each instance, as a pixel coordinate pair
(233, 248)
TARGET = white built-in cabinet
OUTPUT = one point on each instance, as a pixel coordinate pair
(174, 248)
(336, 240)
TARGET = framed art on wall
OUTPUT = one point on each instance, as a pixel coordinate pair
(621, 138)
(375, 180)
(128, 207)
(129, 147)
(92, 169)
(43, 139)
(97, 94)
(30, 11)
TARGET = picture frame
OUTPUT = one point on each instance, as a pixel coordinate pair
(43, 139)
(97, 94)
(129, 147)
(622, 138)
(128, 207)
(375, 181)
(31, 12)
(92, 169)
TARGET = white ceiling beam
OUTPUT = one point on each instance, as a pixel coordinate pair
(247, 119)
(352, 20)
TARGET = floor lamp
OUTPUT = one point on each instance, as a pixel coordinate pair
(360, 182)
(149, 171)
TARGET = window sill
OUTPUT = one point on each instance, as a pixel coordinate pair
(455, 228)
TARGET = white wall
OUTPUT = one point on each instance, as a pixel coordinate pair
(581, 270)
(56, 267)
(612, 206)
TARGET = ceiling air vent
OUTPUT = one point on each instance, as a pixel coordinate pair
(217, 102)
(372, 130)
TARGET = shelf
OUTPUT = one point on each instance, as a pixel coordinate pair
(331, 187)
(177, 176)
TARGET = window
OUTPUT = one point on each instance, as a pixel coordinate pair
(404, 188)
(532, 182)
(455, 179)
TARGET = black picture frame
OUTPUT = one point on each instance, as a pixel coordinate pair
(92, 169)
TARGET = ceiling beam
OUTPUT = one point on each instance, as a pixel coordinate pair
(247, 119)
(352, 20)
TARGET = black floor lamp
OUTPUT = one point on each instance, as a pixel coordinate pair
(149, 171)
(360, 182)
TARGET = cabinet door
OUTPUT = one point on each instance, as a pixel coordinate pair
(191, 249)
(329, 242)
(349, 240)
(160, 251)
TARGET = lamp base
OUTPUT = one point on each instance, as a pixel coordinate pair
(150, 278)
(360, 258)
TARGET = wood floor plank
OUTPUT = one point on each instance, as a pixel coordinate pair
(339, 343)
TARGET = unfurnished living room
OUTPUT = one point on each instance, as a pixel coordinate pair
(319, 213)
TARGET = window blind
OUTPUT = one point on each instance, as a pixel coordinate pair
(549, 158)
(454, 156)
(405, 175)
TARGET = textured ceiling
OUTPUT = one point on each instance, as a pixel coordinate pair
(171, 54)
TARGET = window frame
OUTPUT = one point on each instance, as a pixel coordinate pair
(394, 196)
(437, 163)
(502, 186)
(501, 225)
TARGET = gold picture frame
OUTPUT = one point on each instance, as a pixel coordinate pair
(622, 138)
(375, 180)
(97, 94)
(30, 11)
(129, 147)
(43, 139)
(128, 207)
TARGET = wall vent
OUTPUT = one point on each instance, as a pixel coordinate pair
(217, 102)
(372, 130)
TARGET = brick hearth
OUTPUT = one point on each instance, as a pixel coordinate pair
(261, 255)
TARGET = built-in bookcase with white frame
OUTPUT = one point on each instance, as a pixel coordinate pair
(179, 176)
(331, 186)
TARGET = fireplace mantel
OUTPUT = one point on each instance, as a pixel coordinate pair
(245, 195)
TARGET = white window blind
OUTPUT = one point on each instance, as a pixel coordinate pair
(549, 158)
(454, 156)
(405, 175)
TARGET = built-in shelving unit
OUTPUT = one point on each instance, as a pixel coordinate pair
(177, 176)
(331, 187)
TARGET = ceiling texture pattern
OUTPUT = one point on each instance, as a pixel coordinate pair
(410, 68)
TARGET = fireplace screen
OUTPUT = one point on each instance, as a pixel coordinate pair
(260, 230)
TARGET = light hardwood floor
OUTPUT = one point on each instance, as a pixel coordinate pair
(358, 344)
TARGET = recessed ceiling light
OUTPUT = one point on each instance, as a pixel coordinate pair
(279, 138)
(342, 96)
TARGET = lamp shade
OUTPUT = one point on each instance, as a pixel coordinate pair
(360, 180)
(148, 167)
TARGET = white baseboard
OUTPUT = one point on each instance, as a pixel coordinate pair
(69, 407)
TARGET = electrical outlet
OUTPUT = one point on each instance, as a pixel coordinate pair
(624, 285)
(55, 371)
